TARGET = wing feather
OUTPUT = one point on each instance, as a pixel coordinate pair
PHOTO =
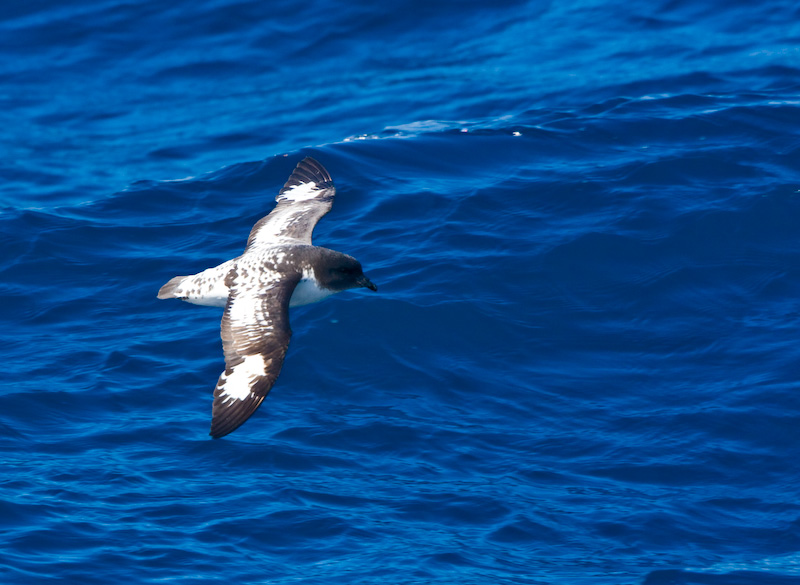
(255, 336)
(303, 200)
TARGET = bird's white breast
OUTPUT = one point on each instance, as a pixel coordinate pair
(307, 292)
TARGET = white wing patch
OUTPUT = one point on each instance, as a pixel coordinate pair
(301, 192)
(236, 385)
(275, 231)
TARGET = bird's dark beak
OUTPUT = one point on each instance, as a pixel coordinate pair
(366, 283)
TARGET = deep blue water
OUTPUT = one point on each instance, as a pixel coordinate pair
(583, 362)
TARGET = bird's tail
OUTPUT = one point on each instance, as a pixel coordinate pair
(168, 290)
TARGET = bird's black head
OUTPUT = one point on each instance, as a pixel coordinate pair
(343, 272)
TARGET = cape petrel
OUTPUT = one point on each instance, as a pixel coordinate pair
(280, 268)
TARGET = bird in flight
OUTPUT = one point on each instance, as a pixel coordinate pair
(280, 268)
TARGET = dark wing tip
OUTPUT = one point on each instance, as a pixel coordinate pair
(226, 418)
(308, 170)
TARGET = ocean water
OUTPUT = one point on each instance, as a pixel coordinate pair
(583, 362)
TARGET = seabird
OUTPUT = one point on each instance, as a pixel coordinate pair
(280, 268)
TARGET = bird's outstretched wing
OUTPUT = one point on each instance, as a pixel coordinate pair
(255, 335)
(304, 199)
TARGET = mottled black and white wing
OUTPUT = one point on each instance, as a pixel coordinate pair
(255, 336)
(304, 199)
